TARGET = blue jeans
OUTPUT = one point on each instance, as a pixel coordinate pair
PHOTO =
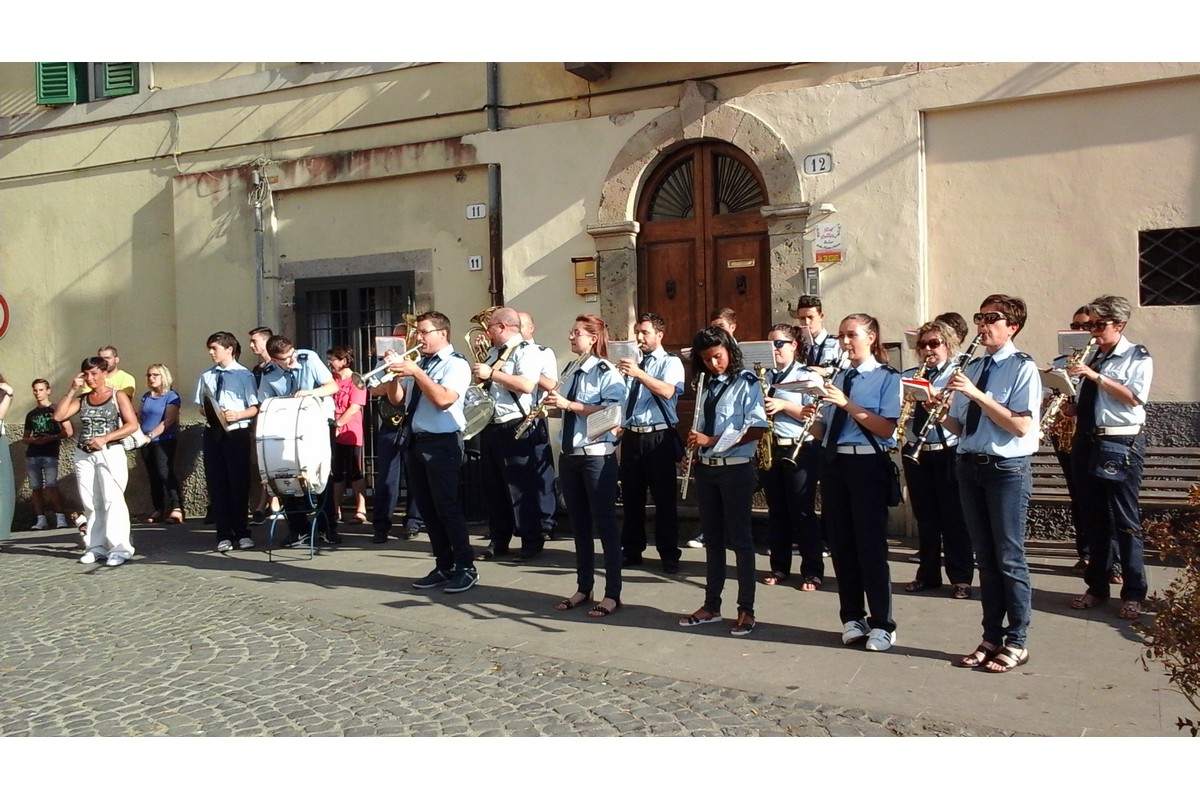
(589, 487)
(1108, 511)
(995, 499)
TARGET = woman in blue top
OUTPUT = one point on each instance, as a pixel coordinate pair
(858, 424)
(731, 421)
(587, 470)
(160, 422)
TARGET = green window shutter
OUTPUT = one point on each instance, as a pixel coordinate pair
(60, 82)
(116, 78)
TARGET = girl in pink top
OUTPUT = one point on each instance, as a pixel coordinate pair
(348, 405)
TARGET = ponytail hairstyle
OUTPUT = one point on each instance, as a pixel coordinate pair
(872, 326)
(597, 327)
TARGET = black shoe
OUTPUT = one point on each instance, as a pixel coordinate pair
(461, 580)
(296, 541)
(258, 518)
(632, 561)
(380, 538)
(411, 532)
(489, 554)
(434, 579)
(526, 555)
(670, 567)
(331, 538)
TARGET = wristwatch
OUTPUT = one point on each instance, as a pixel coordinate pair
(1099, 378)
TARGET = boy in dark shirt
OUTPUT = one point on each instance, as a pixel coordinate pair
(42, 435)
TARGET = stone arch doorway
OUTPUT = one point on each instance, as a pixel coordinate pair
(702, 241)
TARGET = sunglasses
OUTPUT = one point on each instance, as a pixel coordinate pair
(779, 343)
(929, 344)
(990, 318)
(1098, 325)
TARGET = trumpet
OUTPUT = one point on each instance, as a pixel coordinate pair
(765, 443)
(689, 455)
(1053, 422)
(792, 459)
(539, 411)
(370, 381)
(912, 450)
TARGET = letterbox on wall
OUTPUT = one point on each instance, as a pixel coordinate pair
(587, 279)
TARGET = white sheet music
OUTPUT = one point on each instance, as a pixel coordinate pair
(1058, 380)
(603, 421)
(728, 439)
(761, 353)
(1069, 341)
(624, 349)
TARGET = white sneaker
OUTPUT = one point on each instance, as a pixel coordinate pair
(879, 640)
(697, 543)
(41, 524)
(115, 560)
(89, 558)
(854, 631)
(60, 521)
(224, 546)
(245, 543)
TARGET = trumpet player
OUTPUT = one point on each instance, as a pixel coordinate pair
(588, 466)
(432, 391)
(732, 400)
(1108, 451)
(857, 427)
(791, 488)
(650, 445)
(932, 482)
(543, 453)
(995, 414)
(510, 373)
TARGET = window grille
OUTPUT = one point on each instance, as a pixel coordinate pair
(1169, 267)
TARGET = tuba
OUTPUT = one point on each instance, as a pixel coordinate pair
(478, 341)
(478, 406)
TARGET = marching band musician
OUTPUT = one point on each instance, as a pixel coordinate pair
(791, 489)
(588, 466)
(732, 400)
(995, 414)
(544, 454)
(1108, 451)
(932, 482)
(824, 350)
(432, 391)
(1080, 321)
(390, 443)
(299, 373)
(648, 445)
(857, 427)
(510, 472)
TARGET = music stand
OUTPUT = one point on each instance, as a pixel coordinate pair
(297, 486)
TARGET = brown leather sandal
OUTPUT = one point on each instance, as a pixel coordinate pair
(567, 603)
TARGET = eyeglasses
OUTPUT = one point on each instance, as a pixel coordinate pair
(574, 334)
(1098, 325)
(426, 332)
(990, 318)
(779, 343)
(932, 344)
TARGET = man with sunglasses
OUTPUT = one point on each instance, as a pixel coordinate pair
(1108, 451)
(297, 373)
(432, 391)
(995, 414)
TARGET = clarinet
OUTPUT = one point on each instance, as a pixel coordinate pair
(792, 459)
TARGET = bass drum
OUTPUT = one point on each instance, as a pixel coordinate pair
(292, 441)
(478, 409)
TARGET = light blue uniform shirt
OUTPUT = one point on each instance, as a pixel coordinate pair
(1129, 364)
(877, 389)
(451, 370)
(524, 362)
(308, 374)
(547, 365)
(238, 390)
(647, 411)
(939, 376)
(1015, 383)
(740, 407)
(599, 384)
(787, 427)
(827, 351)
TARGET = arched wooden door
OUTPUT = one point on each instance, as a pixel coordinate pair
(703, 244)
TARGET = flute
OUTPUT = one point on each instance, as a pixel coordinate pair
(690, 455)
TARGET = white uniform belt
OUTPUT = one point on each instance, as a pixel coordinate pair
(1119, 430)
(723, 462)
(601, 449)
(647, 428)
(784, 442)
(855, 449)
(939, 446)
(508, 417)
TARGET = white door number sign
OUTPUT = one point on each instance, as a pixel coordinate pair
(817, 164)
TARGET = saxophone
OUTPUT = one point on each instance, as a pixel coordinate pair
(766, 442)
(1054, 423)
(910, 403)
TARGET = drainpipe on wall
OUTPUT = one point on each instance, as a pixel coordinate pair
(256, 179)
(495, 237)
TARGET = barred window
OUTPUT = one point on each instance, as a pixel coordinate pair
(1169, 267)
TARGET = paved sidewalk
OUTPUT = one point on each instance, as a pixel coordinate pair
(213, 644)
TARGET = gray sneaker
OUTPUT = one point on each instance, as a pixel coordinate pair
(433, 580)
(461, 580)
(224, 546)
